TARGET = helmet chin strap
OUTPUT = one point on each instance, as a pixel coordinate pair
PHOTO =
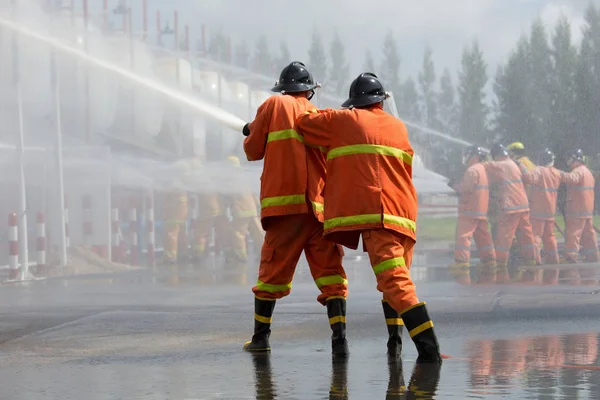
(310, 94)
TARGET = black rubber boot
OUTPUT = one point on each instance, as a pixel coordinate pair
(394, 326)
(420, 328)
(263, 376)
(336, 311)
(263, 315)
(424, 381)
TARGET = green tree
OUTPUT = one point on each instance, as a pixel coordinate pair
(410, 106)
(473, 109)
(390, 68)
(262, 61)
(588, 84)
(564, 67)
(317, 63)
(369, 65)
(513, 101)
(427, 81)
(338, 76)
(284, 56)
(217, 47)
(241, 57)
(540, 94)
(446, 101)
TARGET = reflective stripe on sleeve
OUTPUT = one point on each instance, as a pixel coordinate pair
(370, 149)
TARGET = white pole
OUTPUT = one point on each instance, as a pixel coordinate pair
(62, 240)
(109, 201)
(21, 161)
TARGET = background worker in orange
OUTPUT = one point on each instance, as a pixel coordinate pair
(517, 153)
(579, 214)
(514, 213)
(474, 194)
(292, 210)
(175, 202)
(245, 217)
(544, 182)
(370, 193)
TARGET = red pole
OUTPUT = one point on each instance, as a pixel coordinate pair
(176, 23)
(187, 38)
(203, 40)
(150, 228)
(145, 11)
(158, 29)
(41, 243)
(105, 8)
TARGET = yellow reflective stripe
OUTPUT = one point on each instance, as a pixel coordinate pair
(335, 320)
(335, 297)
(321, 148)
(394, 321)
(282, 200)
(400, 221)
(423, 327)
(370, 149)
(284, 134)
(411, 307)
(318, 207)
(389, 264)
(330, 280)
(370, 219)
(264, 320)
(266, 287)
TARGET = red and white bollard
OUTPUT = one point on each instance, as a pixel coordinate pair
(116, 235)
(13, 246)
(150, 229)
(67, 238)
(87, 220)
(133, 245)
(41, 243)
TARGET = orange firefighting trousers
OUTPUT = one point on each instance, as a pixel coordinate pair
(285, 239)
(507, 226)
(581, 231)
(239, 228)
(543, 232)
(391, 254)
(479, 230)
(202, 231)
(176, 210)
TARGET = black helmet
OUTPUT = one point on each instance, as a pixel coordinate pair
(547, 157)
(576, 155)
(365, 91)
(474, 151)
(498, 150)
(294, 78)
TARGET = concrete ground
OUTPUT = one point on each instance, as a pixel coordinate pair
(177, 333)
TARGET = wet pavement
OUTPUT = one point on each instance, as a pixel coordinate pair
(177, 332)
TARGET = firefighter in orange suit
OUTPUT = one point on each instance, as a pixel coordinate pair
(175, 212)
(292, 210)
(579, 226)
(474, 194)
(544, 182)
(517, 153)
(245, 218)
(370, 193)
(504, 173)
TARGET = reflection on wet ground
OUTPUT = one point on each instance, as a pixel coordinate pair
(176, 333)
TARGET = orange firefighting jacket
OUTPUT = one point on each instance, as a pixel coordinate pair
(243, 205)
(506, 176)
(580, 192)
(474, 191)
(544, 183)
(369, 172)
(293, 174)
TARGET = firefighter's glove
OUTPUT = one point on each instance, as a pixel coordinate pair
(246, 130)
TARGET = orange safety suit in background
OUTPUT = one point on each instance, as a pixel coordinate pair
(514, 212)
(472, 217)
(176, 213)
(211, 214)
(544, 183)
(291, 203)
(245, 221)
(579, 214)
(370, 192)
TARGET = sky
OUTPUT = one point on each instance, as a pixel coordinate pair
(444, 25)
